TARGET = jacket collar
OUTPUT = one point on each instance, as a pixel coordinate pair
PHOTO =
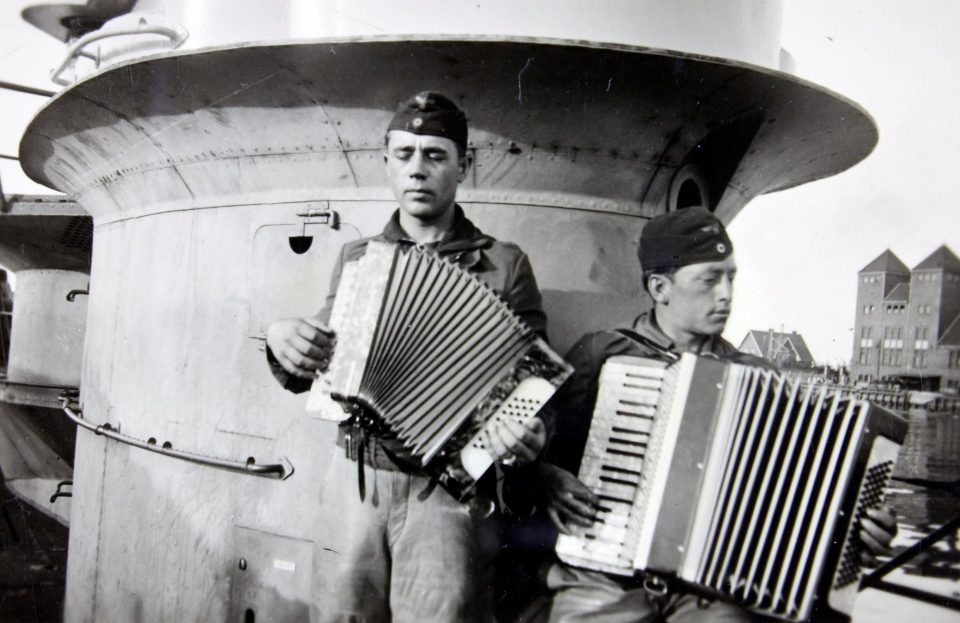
(463, 236)
(647, 326)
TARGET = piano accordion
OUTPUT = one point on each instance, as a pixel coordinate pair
(429, 354)
(734, 482)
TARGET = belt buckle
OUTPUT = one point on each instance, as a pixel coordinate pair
(654, 586)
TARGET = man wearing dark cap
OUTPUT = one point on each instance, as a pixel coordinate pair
(688, 271)
(408, 551)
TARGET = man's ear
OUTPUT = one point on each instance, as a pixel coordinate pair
(659, 288)
(464, 166)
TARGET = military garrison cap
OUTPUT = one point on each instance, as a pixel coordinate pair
(686, 236)
(432, 114)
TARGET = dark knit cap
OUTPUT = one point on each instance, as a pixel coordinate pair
(686, 236)
(432, 114)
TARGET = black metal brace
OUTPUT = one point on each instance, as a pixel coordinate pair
(60, 493)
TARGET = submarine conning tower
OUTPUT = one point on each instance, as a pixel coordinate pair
(226, 150)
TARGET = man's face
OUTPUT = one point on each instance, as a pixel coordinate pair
(424, 172)
(698, 297)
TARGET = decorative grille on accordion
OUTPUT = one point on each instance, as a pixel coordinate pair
(733, 481)
(431, 355)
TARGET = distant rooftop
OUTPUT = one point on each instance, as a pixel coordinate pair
(886, 262)
(784, 349)
(941, 259)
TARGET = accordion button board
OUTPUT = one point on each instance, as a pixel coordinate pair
(521, 405)
(733, 480)
(429, 354)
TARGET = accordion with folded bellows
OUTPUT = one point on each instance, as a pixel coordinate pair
(430, 355)
(734, 482)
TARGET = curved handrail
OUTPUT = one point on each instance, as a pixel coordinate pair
(73, 294)
(177, 36)
(283, 469)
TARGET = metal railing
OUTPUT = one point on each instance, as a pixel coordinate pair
(282, 470)
(900, 399)
(876, 580)
(175, 37)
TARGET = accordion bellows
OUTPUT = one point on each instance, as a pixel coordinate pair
(432, 355)
(734, 481)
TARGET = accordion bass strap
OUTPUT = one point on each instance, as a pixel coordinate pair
(660, 351)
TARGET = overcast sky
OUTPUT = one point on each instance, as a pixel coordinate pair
(798, 250)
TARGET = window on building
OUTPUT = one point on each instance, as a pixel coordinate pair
(920, 359)
(920, 335)
(954, 359)
(865, 333)
(892, 357)
(893, 337)
(864, 356)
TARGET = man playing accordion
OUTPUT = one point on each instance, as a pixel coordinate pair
(408, 551)
(688, 271)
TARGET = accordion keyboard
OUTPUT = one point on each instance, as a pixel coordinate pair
(613, 465)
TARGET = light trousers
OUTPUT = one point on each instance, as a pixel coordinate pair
(407, 552)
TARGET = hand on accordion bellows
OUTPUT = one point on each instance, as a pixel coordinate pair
(301, 345)
(513, 443)
(877, 529)
(568, 501)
